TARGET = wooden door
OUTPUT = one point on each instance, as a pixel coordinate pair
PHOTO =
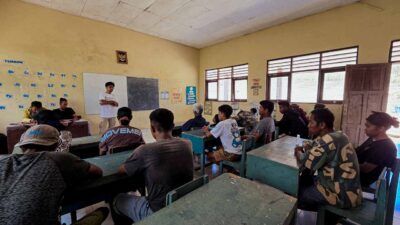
(366, 90)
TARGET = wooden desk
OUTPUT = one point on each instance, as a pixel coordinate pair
(79, 128)
(275, 164)
(83, 147)
(228, 199)
(101, 189)
(199, 143)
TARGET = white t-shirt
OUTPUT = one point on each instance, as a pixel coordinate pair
(229, 134)
(107, 111)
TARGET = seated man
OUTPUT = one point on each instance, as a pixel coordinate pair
(33, 183)
(246, 120)
(378, 151)
(48, 117)
(291, 123)
(198, 121)
(121, 136)
(64, 112)
(333, 156)
(266, 127)
(165, 165)
(227, 130)
(30, 113)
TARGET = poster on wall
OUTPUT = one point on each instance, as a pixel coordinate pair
(190, 95)
(256, 86)
(176, 96)
(164, 95)
(207, 108)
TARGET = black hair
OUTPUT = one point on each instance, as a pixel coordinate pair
(268, 105)
(226, 110)
(162, 120)
(36, 104)
(216, 119)
(284, 103)
(110, 83)
(325, 116)
(63, 100)
(382, 119)
(48, 117)
(253, 110)
(319, 106)
(122, 112)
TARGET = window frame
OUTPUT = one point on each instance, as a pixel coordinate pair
(320, 76)
(233, 80)
(391, 51)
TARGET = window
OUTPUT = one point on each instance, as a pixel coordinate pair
(393, 105)
(311, 78)
(227, 84)
(395, 52)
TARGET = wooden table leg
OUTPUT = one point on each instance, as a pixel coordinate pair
(202, 162)
(73, 216)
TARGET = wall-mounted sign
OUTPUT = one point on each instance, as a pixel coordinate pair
(190, 95)
(122, 57)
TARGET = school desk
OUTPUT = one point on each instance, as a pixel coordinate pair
(275, 164)
(228, 199)
(199, 143)
(100, 189)
(84, 147)
(79, 128)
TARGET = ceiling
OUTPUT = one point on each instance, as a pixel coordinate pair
(196, 23)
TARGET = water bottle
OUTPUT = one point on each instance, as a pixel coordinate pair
(298, 144)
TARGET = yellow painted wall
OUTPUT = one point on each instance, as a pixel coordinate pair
(51, 41)
(370, 24)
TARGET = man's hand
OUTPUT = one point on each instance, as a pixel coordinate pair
(298, 151)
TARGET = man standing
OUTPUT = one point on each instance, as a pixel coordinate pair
(108, 108)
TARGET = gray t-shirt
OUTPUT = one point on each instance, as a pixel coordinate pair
(264, 127)
(32, 186)
(165, 165)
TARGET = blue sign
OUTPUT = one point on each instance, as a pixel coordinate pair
(190, 95)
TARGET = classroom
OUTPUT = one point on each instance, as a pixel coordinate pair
(199, 112)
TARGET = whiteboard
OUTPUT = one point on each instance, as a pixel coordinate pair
(93, 85)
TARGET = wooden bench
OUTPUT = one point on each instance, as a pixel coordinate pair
(379, 212)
